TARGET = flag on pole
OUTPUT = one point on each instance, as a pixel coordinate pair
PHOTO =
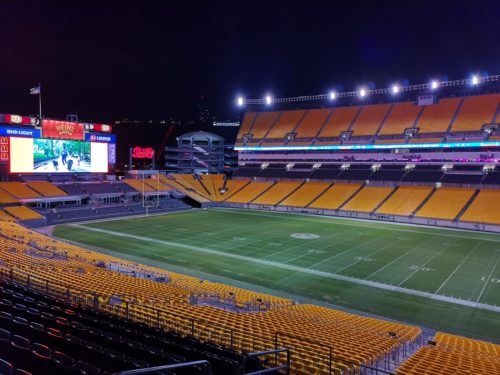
(35, 90)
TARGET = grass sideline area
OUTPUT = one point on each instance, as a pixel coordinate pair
(349, 263)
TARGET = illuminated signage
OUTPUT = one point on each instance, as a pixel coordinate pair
(143, 153)
(62, 129)
(371, 147)
(19, 132)
(18, 120)
(98, 127)
(94, 137)
(4, 148)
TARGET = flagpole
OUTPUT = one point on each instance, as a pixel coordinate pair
(40, 100)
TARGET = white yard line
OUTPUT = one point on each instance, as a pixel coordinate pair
(487, 281)
(356, 222)
(397, 258)
(420, 267)
(345, 251)
(369, 255)
(296, 269)
(458, 267)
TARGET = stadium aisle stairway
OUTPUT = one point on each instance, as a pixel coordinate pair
(436, 118)
(402, 116)
(367, 199)
(405, 200)
(340, 120)
(312, 123)
(335, 196)
(370, 119)
(18, 190)
(305, 194)
(277, 193)
(286, 124)
(182, 188)
(249, 192)
(445, 203)
(485, 208)
(475, 112)
(138, 185)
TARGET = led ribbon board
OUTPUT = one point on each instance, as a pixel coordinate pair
(371, 147)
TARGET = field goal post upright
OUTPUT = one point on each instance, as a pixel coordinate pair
(146, 153)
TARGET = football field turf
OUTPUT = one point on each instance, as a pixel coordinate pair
(440, 278)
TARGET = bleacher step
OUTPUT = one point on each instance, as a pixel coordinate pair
(386, 199)
(293, 191)
(320, 194)
(423, 202)
(466, 206)
(351, 196)
(264, 191)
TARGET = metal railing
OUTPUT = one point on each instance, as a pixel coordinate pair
(150, 370)
(200, 329)
(270, 370)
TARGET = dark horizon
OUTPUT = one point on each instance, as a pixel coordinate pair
(147, 61)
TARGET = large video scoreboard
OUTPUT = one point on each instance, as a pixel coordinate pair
(55, 146)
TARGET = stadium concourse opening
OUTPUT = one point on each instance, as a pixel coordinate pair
(358, 234)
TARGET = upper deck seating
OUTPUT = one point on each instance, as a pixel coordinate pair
(370, 119)
(436, 118)
(401, 117)
(475, 112)
(285, 124)
(340, 120)
(312, 122)
(264, 122)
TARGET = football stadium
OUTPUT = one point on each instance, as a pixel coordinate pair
(357, 232)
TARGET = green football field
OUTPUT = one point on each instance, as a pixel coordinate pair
(439, 278)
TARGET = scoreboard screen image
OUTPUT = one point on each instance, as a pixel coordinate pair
(41, 155)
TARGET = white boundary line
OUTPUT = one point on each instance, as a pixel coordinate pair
(377, 224)
(298, 269)
(487, 281)
(458, 267)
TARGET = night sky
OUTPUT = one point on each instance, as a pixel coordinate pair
(107, 60)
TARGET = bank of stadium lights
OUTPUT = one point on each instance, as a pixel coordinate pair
(240, 101)
(431, 85)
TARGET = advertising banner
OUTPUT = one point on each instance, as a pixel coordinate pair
(19, 132)
(18, 120)
(96, 137)
(4, 148)
(62, 129)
